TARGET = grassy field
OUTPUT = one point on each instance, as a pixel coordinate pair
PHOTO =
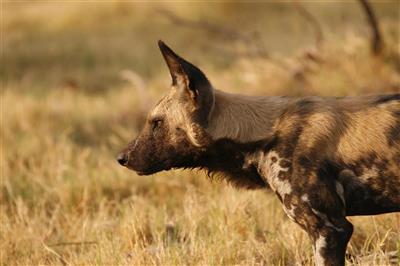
(67, 108)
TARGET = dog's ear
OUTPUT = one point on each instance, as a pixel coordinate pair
(189, 79)
(184, 74)
(179, 77)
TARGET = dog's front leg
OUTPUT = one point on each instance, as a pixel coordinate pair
(330, 242)
(325, 223)
(311, 198)
(328, 231)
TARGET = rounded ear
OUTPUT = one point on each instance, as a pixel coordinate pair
(190, 80)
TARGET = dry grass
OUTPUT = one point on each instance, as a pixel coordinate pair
(66, 113)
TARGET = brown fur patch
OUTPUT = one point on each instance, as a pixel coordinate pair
(366, 134)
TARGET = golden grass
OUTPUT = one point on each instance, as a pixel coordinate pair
(64, 199)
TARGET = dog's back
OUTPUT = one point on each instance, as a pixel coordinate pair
(355, 140)
(369, 150)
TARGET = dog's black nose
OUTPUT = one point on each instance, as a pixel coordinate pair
(122, 158)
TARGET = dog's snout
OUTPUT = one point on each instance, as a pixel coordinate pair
(122, 159)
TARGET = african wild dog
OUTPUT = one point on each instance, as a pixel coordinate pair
(325, 158)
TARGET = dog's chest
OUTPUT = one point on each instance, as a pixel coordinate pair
(274, 169)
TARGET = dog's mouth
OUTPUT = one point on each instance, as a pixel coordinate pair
(152, 170)
(140, 172)
(143, 172)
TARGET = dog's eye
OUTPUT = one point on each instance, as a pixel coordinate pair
(156, 123)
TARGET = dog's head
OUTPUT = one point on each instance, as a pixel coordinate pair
(174, 131)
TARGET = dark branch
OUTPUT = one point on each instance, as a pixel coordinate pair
(377, 44)
(251, 40)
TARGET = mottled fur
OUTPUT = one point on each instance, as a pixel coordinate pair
(325, 158)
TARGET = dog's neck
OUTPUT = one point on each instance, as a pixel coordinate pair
(243, 118)
(238, 127)
(227, 159)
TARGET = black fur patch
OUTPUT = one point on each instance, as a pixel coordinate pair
(387, 98)
(226, 159)
(365, 196)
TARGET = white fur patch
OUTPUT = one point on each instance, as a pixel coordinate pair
(327, 223)
(290, 212)
(270, 168)
(340, 192)
(282, 187)
(320, 243)
(305, 198)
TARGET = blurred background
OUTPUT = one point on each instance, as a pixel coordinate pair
(77, 79)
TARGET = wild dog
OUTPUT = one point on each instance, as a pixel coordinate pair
(325, 158)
